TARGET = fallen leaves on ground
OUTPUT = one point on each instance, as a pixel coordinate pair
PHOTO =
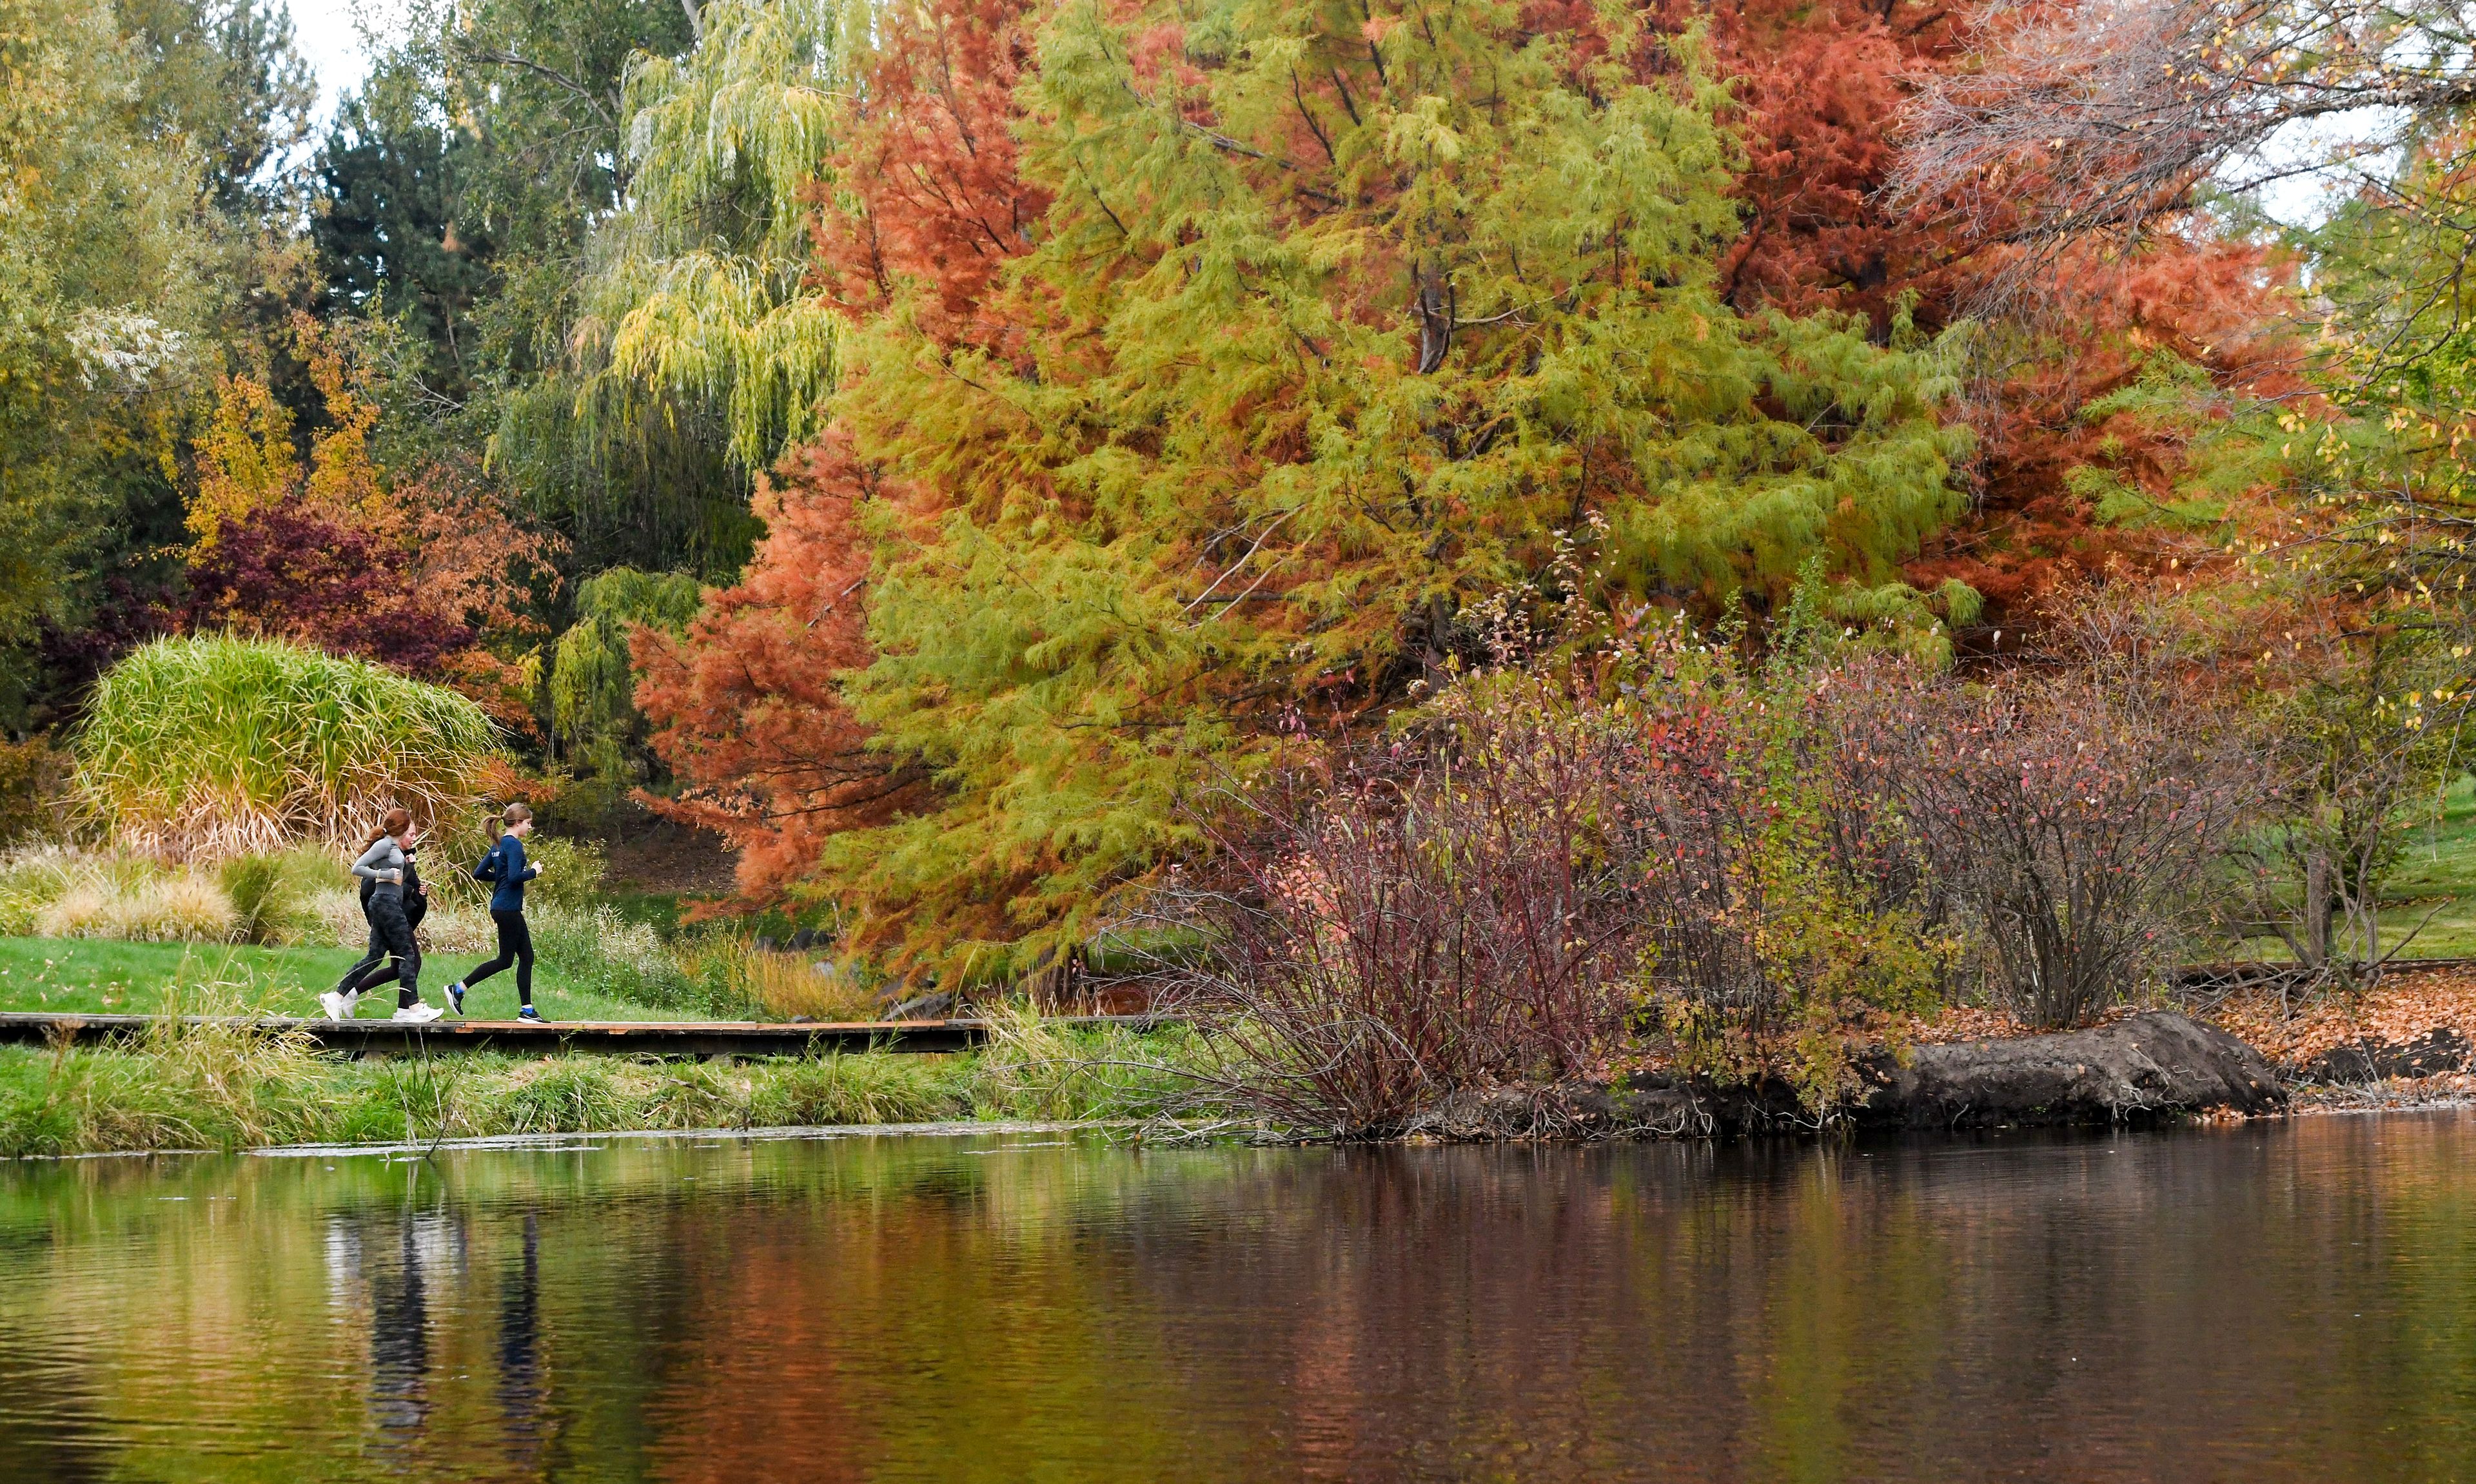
(2407, 1003)
(2396, 1095)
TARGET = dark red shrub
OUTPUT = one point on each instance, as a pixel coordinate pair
(1645, 850)
(291, 572)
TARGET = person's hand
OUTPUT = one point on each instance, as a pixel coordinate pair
(397, 876)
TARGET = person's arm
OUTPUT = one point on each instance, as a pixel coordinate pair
(377, 863)
(524, 872)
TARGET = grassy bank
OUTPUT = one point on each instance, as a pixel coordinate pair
(227, 1088)
(601, 956)
(2433, 887)
(97, 975)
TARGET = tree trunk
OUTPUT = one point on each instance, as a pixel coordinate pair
(2320, 905)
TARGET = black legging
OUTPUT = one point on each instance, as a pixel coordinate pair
(373, 967)
(515, 947)
(372, 958)
(392, 930)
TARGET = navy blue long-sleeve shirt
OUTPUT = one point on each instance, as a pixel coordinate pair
(511, 875)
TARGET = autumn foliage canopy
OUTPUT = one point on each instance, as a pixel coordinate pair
(1208, 370)
(412, 568)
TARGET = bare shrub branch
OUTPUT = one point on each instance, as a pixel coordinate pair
(2093, 119)
(2073, 819)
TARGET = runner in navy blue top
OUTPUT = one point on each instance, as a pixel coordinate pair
(508, 870)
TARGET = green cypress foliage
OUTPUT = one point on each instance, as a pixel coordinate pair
(1344, 321)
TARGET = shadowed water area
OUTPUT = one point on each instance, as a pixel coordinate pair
(2272, 1301)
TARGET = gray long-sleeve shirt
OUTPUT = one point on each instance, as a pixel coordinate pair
(383, 856)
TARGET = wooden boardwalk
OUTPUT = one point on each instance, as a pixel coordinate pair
(700, 1039)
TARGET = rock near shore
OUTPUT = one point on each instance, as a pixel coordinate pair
(2140, 1069)
(2142, 1066)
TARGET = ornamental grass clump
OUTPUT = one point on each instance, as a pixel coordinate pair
(274, 897)
(55, 892)
(175, 907)
(211, 746)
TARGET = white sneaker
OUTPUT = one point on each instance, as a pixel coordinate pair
(418, 1013)
(332, 1003)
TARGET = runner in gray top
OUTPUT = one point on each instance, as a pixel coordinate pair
(382, 864)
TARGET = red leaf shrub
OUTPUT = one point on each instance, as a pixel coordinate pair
(1389, 931)
(1742, 868)
(413, 567)
(290, 571)
(1645, 843)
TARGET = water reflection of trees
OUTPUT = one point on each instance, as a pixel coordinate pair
(2092, 1308)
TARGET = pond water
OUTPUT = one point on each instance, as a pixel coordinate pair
(2269, 1301)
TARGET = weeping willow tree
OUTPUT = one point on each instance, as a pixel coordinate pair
(592, 683)
(695, 305)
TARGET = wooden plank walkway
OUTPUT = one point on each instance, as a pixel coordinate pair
(700, 1039)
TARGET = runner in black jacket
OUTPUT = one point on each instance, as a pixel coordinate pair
(377, 962)
(384, 864)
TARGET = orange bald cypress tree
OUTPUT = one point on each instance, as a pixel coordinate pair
(1819, 90)
(748, 707)
(926, 207)
(929, 202)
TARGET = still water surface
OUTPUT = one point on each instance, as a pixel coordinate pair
(2275, 1301)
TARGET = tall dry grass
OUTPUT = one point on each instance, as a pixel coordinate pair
(59, 892)
(211, 746)
(785, 985)
(176, 908)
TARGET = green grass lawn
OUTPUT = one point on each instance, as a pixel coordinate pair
(95, 975)
(2431, 889)
(2433, 881)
